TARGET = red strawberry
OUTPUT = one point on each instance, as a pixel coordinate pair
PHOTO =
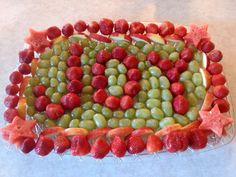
(135, 145)
(164, 64)
(11, 101)
(119, 53)
(93, 27)
(207, 46)
(197, 139)
(173, 75)
(215, 68)
(118, 147)
(181, 65)
(180, 31)
(131, 62)
(26, 56)
(74, 73)
(67, 30)
(39, 90)
(112, 102)
(10, 114)
(152, 28)
(215, 55)
(180, 104)
(24, 68)
(134, 74)
(154, 144)
(121, 26)
(27, 145)
(12, 89)
(41, 103)
(218, 79)
(177, 88)
(74, 86)
(100, 148)
(153, 57)
(98, 69)
(131, 88)
(166, 28)
(106, 26)
(136, 27)
(126, 102)
(99, 82)
(53, 32)
(186, 54)
(80, 145)
(100, 96)
(54, 111)
(44, 146)
(61, 144)
(70, 101)
(73, 61)
(16, 77)
(80, 26)
(176, 141)
(220, 91)
(222, 104)
(75, 49)
(103, 56)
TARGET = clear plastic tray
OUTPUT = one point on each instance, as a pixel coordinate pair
(214, 142)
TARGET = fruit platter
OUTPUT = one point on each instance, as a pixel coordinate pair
(116, 89)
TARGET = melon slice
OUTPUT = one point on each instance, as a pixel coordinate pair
(206, 77)
(155, 38)
(120, 37)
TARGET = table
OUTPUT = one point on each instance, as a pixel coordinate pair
(17, 16)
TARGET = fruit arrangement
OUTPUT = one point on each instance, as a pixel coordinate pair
(120, 88)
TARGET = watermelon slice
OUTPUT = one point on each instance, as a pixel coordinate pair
(18, 130)
(37, 40)
(196, 34)
(214, 120)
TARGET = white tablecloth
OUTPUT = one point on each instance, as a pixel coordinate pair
(17, 16)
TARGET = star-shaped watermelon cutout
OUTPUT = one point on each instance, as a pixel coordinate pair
(196, 34)
(37, 40)
(214, 120)
(18, 129)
